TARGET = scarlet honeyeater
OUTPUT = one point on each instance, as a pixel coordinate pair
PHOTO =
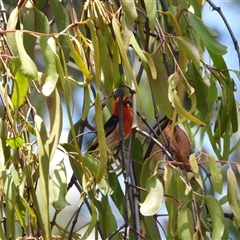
(111, 127)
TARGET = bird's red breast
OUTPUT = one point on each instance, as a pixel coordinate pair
(111, 127)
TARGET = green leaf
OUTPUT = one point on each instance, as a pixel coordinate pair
(174, 23)
(101, 137)
(208, 40)
(20, 211)
(10, 192)
(61, 19)
(228, 110)
(86, 103)
(56, 118)
(146, 59)
(159, 86)
(48, 48)
(43, 150)
(196, 81)
(187, 46)
(92, 222)
(217, 218)
(170, 187)
(42, 24)
(233, 195)
(123, 53)
(153, 202)
(27, 66)
(15, 142)
(174, 99)
(29, 40)
(107, 218)
(130, 9)
(216, 174)
(92, 165)
(185, 224)
(106, 64)
(58, 187)
(151, 8)
(184, 190)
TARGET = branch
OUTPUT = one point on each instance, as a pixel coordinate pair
(235, 42)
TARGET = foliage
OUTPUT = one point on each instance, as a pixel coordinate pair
(104, 40)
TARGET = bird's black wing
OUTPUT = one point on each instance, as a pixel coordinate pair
(109, 126)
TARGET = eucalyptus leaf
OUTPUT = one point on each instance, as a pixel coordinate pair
(27, 66)
(153, 202)
(217, 217)
(233, 193)
(58, 187)
(208, 40)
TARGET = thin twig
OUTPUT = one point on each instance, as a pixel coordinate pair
(235, 42)
(145, 134)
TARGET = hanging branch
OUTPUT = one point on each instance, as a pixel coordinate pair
(235, 42)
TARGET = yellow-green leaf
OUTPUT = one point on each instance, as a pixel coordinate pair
(217, 217)
(216, 174)
(101, 137)
(130, 9)
(153, 202)
(233, 195)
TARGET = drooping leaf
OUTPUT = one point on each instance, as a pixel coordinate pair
(151, 8)
(233, 193)
(10, 191)
(27, 67)
(153, 202)
(95, 45)
(170, 188)
(217, 218)
(62, 22)
(56, 121)
(159, 86)
(29, 40)
(200, 87)
(11, 25)
(130, 9)
(101, 137)
(123, 53)
(58, 187)
(216, 174)
(195, 169)
(174, 99)
(48, 48)
(43, 149)
(20, 87)
(185, 223)
(208, 40)
(93, 221)
(108, 220)
(78, 56)
(187, 46)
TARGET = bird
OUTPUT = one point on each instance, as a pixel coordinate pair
(111, 127)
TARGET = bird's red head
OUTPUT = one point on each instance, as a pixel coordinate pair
(127, 114)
